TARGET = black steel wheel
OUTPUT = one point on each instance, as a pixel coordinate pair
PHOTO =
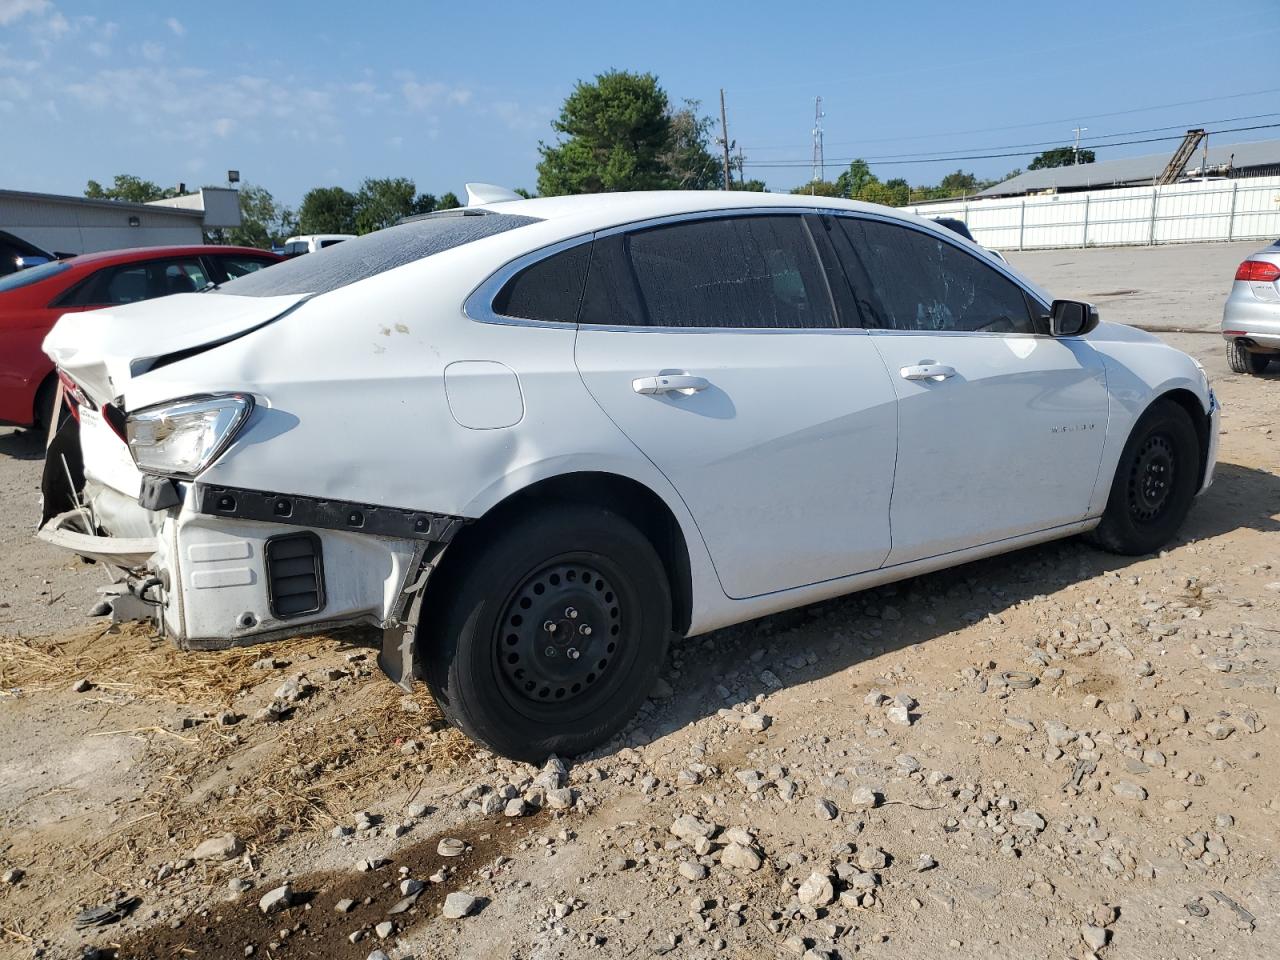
(550, 631)
(1155, 482)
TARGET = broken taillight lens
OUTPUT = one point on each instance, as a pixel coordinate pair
(71, 390)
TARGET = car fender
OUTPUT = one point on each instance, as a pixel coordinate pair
(1140, 370)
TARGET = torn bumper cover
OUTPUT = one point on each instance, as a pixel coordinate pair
(230, 567)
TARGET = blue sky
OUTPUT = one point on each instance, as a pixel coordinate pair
(297, 95)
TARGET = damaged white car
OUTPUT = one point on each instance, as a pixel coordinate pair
(531, 440)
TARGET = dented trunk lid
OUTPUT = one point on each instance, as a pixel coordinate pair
(102, 350)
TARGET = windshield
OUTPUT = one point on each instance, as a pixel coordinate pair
(363, 257)
(25, 278)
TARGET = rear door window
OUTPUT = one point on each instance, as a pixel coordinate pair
(131, 282)
(923, 282)
(752, 272)
(238, 265)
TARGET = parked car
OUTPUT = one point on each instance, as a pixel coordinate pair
(296, 246)
(18, 254)
(1251, 316)
(31, 301)
(533, 440)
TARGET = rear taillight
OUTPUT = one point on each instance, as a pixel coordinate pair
(1258, 271)
(73, 393)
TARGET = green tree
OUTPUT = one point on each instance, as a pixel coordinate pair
(1059, 157)
(687, 159)
(383, 202)
(855, 180)
(327, 210)
(128, 187)
(615, 133)
(819, 188)
(263, 222)
(754, 186)
(448, 201)
(960, 183)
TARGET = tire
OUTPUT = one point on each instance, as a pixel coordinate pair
(549, 634)
(1155, 482)
(45, 398)
(1241, 360)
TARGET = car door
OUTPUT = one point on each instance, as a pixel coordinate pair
(714, 344)
(1000, 425)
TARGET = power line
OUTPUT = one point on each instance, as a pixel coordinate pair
(1038, 123)
(781, 164)
(1086, 142)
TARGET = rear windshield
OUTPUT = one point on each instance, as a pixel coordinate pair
(24, 278)
(374, 253)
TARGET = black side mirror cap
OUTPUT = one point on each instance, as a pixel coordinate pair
(1072, 318)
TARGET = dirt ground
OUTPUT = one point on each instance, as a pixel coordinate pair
(1055, 753)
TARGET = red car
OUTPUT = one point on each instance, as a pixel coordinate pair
(32, 300)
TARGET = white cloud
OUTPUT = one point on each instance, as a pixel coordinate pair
(223, 126)
(423, 96)
(174, 24)
(13, 10)
(153, 52)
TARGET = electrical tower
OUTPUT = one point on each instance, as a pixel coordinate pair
(819, 162)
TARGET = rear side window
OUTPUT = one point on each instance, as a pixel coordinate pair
(757, 272)
(24, 278)
(922, 282)
(131, 282)
(549, 289)
(237, 266)
(363, 257)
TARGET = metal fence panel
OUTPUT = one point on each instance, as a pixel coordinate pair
(1179, 213)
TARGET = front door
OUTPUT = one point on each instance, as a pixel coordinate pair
(1000, 426)
(713, 344)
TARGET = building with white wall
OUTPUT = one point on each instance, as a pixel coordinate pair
(82, 225)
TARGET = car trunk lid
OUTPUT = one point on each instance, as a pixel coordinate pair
(102, 350)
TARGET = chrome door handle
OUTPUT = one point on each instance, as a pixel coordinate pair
(670, 383)
(927, 370)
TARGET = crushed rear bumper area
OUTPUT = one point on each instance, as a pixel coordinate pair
(228, 567)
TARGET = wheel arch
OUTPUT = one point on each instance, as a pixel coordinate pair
(1194, 408)
(628, 497)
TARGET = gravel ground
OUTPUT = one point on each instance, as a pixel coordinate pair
(1054, 753)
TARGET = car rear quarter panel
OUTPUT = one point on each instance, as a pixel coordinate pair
(353, 402)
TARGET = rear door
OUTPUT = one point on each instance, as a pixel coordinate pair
(1000, 425)
(715, 345)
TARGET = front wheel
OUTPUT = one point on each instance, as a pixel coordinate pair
(549, 633)
(1155, 482)
(1241, 360)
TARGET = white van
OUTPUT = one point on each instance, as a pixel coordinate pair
(310, 243)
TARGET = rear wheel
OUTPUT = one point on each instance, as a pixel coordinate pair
(550, 633)
(46, 397)
(1154, 485)
(1242, 360)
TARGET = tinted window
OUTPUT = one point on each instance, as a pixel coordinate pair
(329, 243)
(923, 282)
(611, 296)
(239, 266)
(296, 247)
(745, 272)
(371, 254)
(24, 278)
(131, 282)
(550, 289)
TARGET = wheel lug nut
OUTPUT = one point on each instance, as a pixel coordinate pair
(549, 626)
(585, 629)
(571, 613)
(572, 653)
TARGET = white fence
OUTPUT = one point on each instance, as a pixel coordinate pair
(1243, 209)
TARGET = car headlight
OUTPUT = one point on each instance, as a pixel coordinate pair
(181, 438)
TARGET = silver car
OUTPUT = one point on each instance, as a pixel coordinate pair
(1251, 317)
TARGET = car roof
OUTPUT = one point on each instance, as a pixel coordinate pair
(132, 254)
(599, 210)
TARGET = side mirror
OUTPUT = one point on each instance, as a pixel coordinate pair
(1072, 318)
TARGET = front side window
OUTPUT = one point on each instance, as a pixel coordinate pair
(922, 282)
(752, 272)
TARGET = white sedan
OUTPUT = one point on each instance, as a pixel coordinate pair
(531, 440)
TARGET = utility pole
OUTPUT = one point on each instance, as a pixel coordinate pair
(1204, 159)
(1075, 151)
(724, 141)
(819, 161)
